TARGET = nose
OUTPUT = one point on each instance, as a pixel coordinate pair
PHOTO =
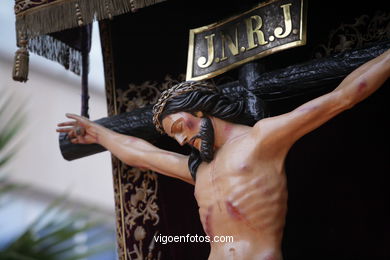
(180, 138)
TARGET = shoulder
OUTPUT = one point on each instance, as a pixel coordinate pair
(269, 135)
(266, 128)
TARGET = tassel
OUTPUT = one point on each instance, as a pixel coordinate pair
(20, 70)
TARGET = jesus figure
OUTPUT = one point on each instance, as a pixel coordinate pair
(237, 170)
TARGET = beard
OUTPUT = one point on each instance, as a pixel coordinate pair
(206, 135)
(206, 153)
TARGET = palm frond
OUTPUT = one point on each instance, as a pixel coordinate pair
(51, 235)
(53, 238)
(11, 122)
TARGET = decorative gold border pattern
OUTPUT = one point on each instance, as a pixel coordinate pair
(135, 190)
(192, 33)
(105, 36)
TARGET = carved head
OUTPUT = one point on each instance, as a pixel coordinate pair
(198, 101)
(159, 109)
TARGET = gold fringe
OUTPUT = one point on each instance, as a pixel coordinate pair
(61, 15)
(37, 22)
(138, 4)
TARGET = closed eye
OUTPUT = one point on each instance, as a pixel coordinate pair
(177, 127)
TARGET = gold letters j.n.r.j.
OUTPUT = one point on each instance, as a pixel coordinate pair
(202, 61)
(253, 27)
(251, 32)
(233, 47)
(287, 23)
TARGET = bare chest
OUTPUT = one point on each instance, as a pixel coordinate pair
(238, 187)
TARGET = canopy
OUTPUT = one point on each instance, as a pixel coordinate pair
(55, 28)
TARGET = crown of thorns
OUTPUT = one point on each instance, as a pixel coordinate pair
(176, 90)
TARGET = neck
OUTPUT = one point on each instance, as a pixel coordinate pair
(226, 132)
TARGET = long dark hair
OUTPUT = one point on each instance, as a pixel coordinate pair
(211, 103)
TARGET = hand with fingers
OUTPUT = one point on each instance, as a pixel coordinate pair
(80, 131)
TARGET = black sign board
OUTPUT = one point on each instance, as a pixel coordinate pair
(269, 27)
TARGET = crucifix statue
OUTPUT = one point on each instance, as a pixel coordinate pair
(237, 170)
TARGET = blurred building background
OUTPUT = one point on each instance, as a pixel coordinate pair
(50, 92)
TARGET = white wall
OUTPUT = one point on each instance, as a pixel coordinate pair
(50, 92)
(39, 161)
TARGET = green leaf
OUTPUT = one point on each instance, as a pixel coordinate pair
(50, 235)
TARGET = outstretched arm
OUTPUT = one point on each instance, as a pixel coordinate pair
(131, 150)
(284, 130)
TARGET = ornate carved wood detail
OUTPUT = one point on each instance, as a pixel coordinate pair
(137, 96)
(139, 198)
(364, 30)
